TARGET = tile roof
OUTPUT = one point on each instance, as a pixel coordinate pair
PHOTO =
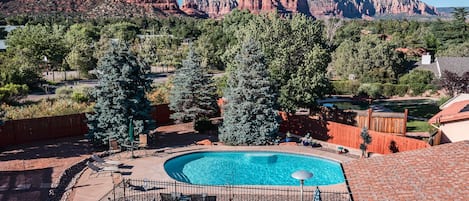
(451, 113)
(436, 173)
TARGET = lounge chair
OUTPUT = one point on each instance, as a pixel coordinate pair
(168, 197)
(103, 162)
(98, 170)
(202, 197)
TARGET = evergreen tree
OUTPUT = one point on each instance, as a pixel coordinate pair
(120, 96)
(366, 140)
(249, 116)
(193, 95)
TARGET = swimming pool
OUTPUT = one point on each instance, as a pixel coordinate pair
(251, 168)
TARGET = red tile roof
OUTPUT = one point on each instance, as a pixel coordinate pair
(451, 113)
(436, 173)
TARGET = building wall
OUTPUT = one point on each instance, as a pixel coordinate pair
(456, 131)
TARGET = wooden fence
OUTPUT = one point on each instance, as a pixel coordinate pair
(31, 130)
(383, 143)
(346, 135)
(387, 122)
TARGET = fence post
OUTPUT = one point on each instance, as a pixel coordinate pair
(124, 187)
(406, 115)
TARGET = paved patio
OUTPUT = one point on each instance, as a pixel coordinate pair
(92, 187)
(29, 171)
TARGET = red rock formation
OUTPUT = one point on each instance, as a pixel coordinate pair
(216, 8)
(317, 8)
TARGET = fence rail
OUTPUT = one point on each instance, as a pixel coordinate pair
(146, 190)
(15, 132)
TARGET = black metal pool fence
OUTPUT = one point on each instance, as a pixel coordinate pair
(147, 190)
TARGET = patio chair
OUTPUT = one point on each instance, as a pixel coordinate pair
(202, 197)
(115, 149)
(143, 142)
(103, 162)
(98, 170)
(168, 197)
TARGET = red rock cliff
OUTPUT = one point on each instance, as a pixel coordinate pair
(317, 8)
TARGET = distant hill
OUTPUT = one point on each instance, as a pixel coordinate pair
(446, 11)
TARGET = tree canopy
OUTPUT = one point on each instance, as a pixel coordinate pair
(249, 114)
(193, 95)
(120, 96)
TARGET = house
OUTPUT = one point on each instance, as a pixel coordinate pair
(452, 123)
(458, 98)
(458, 65)
(435, 173)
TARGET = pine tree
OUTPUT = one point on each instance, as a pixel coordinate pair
(193, 95)
(249, 115)
(120, 96)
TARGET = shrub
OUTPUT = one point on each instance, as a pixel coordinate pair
(202, 125)
(418, 80)
(372, 90)
(160, 94)
(81, 94)
(346, 86)
(12, 92)
(45, 108)
(64, 92)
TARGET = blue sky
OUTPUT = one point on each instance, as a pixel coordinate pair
(448, 3)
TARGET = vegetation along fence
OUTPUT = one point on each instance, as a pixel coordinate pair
(346, 135)
(29, 130)
(146, 190)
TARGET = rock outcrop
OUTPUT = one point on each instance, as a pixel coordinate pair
(317, 8)
(217, 8)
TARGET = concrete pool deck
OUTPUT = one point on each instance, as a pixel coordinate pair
(151, 167)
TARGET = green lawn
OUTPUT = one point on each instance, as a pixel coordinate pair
(417, 108)
(418, 126)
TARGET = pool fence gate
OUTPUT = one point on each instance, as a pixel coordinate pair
(148, 190)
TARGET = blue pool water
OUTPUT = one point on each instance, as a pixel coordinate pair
(251, 168)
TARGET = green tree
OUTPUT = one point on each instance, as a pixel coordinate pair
(125, 31)
(370, 60)
(120, 95)
(309, 84)
(80, 39)
(33, 43)
(366, 141)
(193, 95)
(285, 43)
(418, 80)
(81, 58)
(249, 115)
(456, 50)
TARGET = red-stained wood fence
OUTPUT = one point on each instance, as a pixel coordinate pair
(387, 122)
(30, 130)
(346, 135)
(383, 143)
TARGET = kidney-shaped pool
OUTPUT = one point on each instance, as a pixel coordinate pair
(251, 168)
